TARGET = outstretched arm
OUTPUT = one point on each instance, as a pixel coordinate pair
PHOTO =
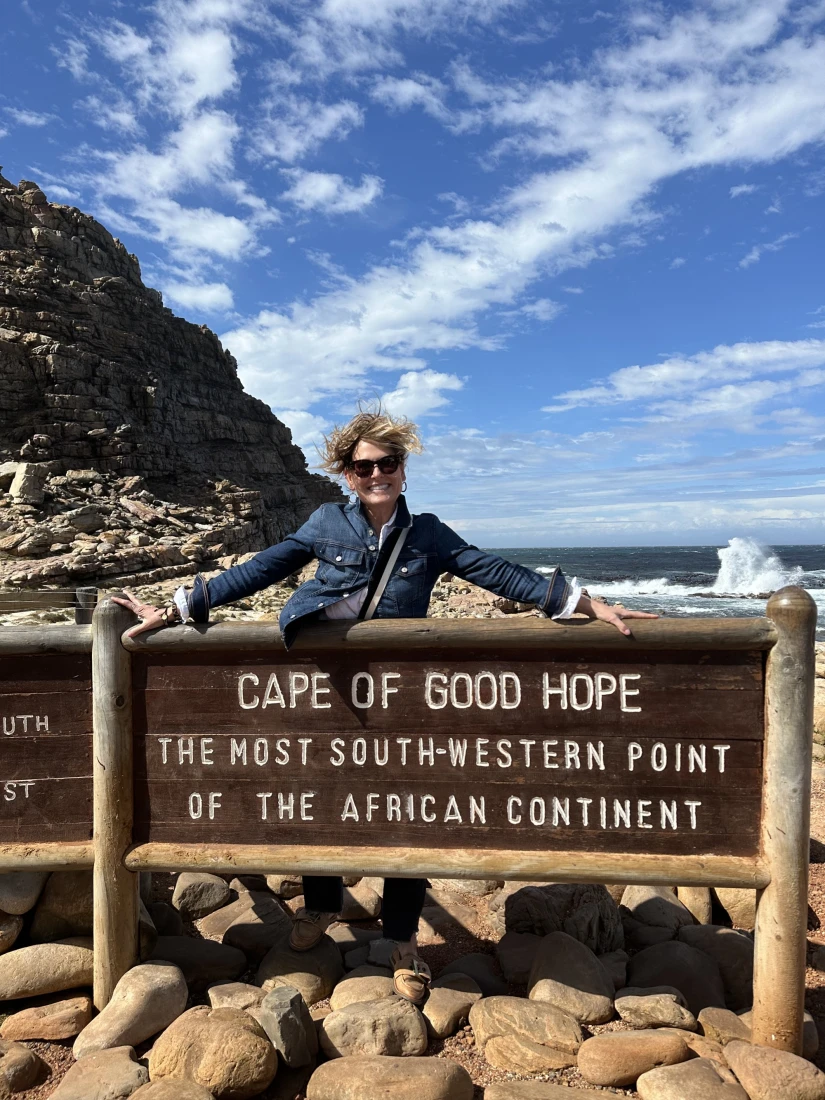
(613, 615)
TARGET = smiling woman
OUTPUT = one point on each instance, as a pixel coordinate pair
(375, 559)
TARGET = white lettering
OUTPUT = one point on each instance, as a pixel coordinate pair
(486, 678)
(625, 691)
(273, 696)
(721, 750)
(337, 747)
(587, 703)
(547, 691)
(634, 753)
(435, 690)
(214, 803)
(605, 685)
(263, 795)
(512, 816)
(368, 680)
(237, 750)
(298, 684)
(195, 806)
(317, 690)
(242, 679)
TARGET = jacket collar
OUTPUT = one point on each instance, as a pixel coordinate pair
(355, 513)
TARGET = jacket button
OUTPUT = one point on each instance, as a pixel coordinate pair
(403, 569)
(346, 594)
(370, 532)
(320, 605)
(372, 548)
(339, 558)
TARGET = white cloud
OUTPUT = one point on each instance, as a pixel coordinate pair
(755, 253)
(112, 113)
(678, 261)
(206, 297)
(543, 309)
(294, 126)
(420, 392)
(25, 117)
(402, 93)
(573, 289)
(330, 193)
(306, 429)
(743, 189)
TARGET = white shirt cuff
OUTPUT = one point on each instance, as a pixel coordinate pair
(182, 604)
(572, 601)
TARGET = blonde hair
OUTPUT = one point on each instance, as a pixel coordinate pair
(397, 433)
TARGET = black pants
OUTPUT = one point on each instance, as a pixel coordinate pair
(400, 909)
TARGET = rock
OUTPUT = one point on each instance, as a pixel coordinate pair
(524, 1036)
(701, 1046)
(638, 936)
(107, 1075)
(767, 1074)
(586, 912)
(733, 952)
(56, 1020)
(698, 1079)
(516, 952)
(615, 963)
(20, 1068)
(360, 903)
(260, 927)
(482, 969)
(172, 1090)
(568, 975)
(358, 957)
(285, 1018)
(618, 1058)
(19, 890)
(166, 920)
(10, 929)
(381, 951)
(376, 1078)
(449, 1003)
(27, 483)
(145, 1001)
(203, 962)
(285, 886)
(249, 884)
(147, 932)
(197, 894)
(449, 913)
(215, 925)
(246, 998)
(676, 964)
(64, 908)
(313, 973)
(657, 906)
(45, 968)
(657, 1006)
(810, 1033)
(475, 887)
(390, 1027)
(222, 1049)
(699, 900)
(740, 905)
(724, 1026)
(365, 983)
(349, 938)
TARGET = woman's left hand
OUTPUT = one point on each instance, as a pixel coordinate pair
(613, 615)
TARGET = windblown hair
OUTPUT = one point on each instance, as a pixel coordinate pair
(398, 434)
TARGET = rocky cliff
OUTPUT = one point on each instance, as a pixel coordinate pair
(127, 443)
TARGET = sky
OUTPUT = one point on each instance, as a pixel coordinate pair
(578, 241)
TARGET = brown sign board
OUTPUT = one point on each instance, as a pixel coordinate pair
(611, 751)
(45, 748)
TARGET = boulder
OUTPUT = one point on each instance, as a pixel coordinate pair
(64, 908)
(313, 973)
(166, 919)
(145, 1001)
(376, 1078)
(656, 1006)
(449, 1003)
(55, 1020)
(475, 887)
(568, 975)
(260, 927)
(45, 968)
(586, 912)
(198, 894)
(618, 1058)
(615, 963)
(10, 929)
(698, 1079)
(107, 1075)
(391, 1027)
(238, 995)
(516, 953)
(19, 890)
(27, 484)
(361, 902)
(349, 938)
(222, 1049)
(524, 1036)
(657, 906)
(285, 1018)
(380, 951)
(695, 974)
(214, 925)
(365, 983)
(203, 962)
(810, 1033)
(172, 1090)
(147, 932)
(723, 1026)
(767, 1074)
(740, 905)
(445, 912)
(701, 1046)
(733, 952)
(482, 969)
(285, 886)
(20, 1068)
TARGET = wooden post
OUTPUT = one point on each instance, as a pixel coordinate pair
(115, 888)
(84, 609)
(782, 907)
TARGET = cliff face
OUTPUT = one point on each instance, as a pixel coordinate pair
(113, 407)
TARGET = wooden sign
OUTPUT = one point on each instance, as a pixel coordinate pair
(607, 751)
(45, 748)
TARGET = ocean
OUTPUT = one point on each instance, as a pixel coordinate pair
(728, 581)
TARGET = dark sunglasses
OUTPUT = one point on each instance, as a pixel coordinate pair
(363, 467)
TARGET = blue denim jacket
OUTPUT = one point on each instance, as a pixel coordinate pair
(340, 537)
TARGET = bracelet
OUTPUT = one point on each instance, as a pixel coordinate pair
(170, 615)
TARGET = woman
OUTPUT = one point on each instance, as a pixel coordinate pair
(374, 559)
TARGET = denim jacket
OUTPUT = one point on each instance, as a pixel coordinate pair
(347, 550)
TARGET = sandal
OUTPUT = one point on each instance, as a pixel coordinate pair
(411, 977)
(308, 929)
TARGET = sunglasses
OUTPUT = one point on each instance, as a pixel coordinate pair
(363, 467)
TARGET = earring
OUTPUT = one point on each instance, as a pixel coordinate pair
(404, 487)
(353, 497)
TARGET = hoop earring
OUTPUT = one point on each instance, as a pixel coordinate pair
(353, 497)
(404, 487)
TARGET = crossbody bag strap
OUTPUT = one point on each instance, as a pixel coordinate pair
(374, 594)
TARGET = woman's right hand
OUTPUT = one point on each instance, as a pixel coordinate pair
(149, 615)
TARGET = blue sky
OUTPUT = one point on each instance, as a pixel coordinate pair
(580, 242)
